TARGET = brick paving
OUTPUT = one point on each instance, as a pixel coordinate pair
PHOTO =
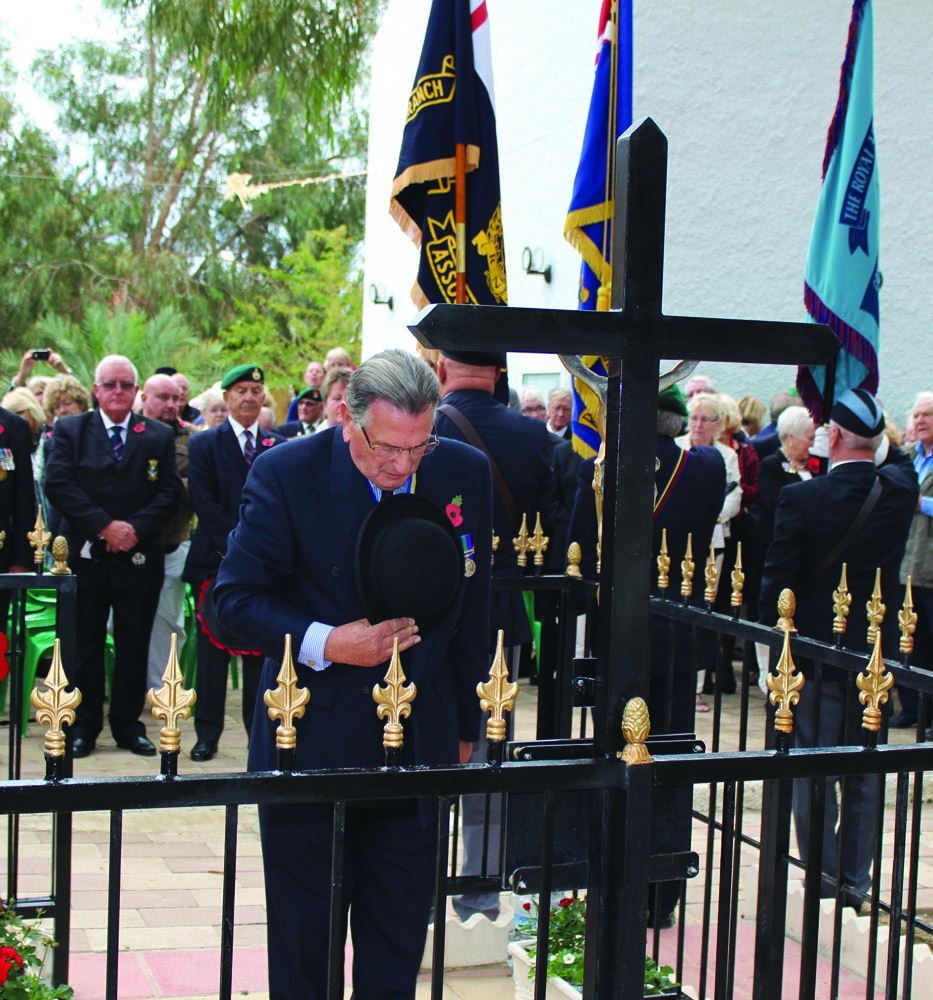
(172, 878)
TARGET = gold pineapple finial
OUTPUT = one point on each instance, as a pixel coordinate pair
(497, 695)
(664, 563)
(287, 702)
(686, 569)
(522, 543)
(785, 683)
(171, 702)
(709, 594)
(873, 686)
(574, 558)
(907, 620)
(60, 555)
(539, 542)
(39, 538)
(55, 706)
(636, 725)
(875, 609)
(841, 601)
(2, 538)
(738, 578)
(394, 701)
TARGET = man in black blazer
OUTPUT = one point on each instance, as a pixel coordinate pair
(112, 476)
(17, 501)
(310, 412)
(811, 521)
(292, 569)
(219, 460)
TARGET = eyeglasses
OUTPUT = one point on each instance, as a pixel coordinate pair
(390, 452)
(540, 408)
(694, 419)
(111, 386)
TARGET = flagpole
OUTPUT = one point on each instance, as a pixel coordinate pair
(460, 220)
(604, 294)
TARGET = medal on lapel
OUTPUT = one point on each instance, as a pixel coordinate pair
(7, 463)
(469, 566)
(153, 471)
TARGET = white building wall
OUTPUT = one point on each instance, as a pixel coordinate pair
(745, 93)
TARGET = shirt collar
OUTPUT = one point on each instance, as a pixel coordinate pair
(109, 424)
(238, 428)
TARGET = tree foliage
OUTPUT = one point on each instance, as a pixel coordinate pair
(300, 310)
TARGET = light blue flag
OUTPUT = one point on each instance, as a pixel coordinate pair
(842, 277)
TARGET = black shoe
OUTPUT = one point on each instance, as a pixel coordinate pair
(138, 745)
(204, 750)
(903, 720)
(82, 747)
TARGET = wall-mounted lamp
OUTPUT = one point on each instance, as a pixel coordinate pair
(378, 297)
(533, 263)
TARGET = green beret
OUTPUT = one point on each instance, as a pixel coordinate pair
(673, 400)
(312, 394)
(243, 373)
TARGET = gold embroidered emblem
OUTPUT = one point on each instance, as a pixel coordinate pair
(434, 88)
(489, 245)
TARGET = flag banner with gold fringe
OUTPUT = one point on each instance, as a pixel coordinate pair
(842, 276)
(589, 220)
(452, 102)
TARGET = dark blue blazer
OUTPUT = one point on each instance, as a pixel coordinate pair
(521, 449)
(291, 561)
(17, 496)
(217, 474)
(90, 488)
(292, 429)
(693, 505)
(812, 518)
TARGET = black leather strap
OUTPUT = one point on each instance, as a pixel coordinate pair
(854, 528)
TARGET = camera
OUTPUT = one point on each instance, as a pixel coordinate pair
(42, 355)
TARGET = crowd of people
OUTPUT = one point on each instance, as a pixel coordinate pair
(347, 506)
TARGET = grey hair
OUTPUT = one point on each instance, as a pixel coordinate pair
(670, 424)
(398, 377)
(115, 357)
(559, 392)
(795, 421)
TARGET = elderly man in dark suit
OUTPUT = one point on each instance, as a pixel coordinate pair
(292, 568)
(112, 476)
(860, 515)
(310, 413)
(219, 460)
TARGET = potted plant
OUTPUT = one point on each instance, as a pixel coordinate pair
(566, 937)
(24, 947)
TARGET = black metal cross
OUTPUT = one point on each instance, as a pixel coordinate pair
(637, 335)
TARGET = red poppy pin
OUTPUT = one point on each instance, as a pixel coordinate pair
(268, 442)
(138, 428)
(1, 428)
(453, 511)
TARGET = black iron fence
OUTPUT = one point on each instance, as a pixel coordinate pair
(752, 918)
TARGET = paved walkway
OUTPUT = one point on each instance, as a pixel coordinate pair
(172, 878)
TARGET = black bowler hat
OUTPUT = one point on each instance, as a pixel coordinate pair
(409, 561)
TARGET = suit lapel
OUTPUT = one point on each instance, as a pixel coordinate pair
(231, 448)
(99, 433)
(345, 495)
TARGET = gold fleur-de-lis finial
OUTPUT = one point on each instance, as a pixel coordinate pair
(664, 563)
(39, 538)
(497, 695)
(785, 683)
(738, 579)
(907, 620)
(873, 686)
(841, 601)
(574, 558)
(539, 542)
(394, 701)
(875, 610)
(686, 569)
(287, 701)
(711, 576)
(171, 702)
(60, 555)
(636, 725)
(55, 707)
(522, 543)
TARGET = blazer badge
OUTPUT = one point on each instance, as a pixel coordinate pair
(153, 470)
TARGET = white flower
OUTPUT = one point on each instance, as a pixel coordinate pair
(569, 959)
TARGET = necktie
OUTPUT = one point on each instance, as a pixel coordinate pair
(249, 451)
(117, 441)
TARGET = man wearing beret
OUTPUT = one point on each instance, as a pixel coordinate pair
(219, 460)
(310, 410)
(859, 514)
(112, 475)
(316, 557)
